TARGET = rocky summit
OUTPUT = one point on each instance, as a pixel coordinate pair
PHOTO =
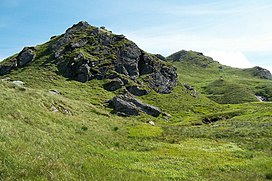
(85, 52)
(259, 72)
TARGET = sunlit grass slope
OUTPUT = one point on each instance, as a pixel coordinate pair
(84, 141)
(220, 83)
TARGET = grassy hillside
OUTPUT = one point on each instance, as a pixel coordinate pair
(225, 92)
(56, 128)
(221, 83)
(87, 142)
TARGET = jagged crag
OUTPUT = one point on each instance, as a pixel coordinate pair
(85, 52)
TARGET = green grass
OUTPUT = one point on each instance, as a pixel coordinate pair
(143, 131)
(225, 92)
(84, 141)
(220, 83)
(93, 144)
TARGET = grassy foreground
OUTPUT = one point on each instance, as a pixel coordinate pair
(82, 140)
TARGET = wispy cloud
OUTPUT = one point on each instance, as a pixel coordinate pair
(234, 59)
(167, 43)
(228, 29)
(268, 68)
(233, 27)
(216, 8)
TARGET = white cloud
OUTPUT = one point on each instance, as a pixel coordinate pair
(216, 8)
(268, 68)
(233, 59)
(229, 28)
(165, 40)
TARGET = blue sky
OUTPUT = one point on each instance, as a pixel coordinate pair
(234, 32)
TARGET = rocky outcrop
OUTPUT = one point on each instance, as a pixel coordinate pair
(113, 56)
(24, 57)
(127, 105)
(85, 52)
(260, 72)
(159, 56)
(164, 80)
(6, 67)
(137, 91)
(129, 58)
(113, 85)
(261, 98)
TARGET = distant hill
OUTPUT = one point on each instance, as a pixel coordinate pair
(221, 83)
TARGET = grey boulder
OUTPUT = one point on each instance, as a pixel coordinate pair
(113, 85)
(6, 68)
(26, 56)
(137, 91)
(127, 105)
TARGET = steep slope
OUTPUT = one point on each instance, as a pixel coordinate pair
(85, 52)
(208, 75)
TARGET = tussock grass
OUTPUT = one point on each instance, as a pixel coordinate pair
(90, 143)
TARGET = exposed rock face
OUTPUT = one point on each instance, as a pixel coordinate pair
(146, 64)
(164, 80)
(159, 56)
(260, 72)
(85, 52)
(115, 84)
(25, 56)
(113, 55)
(137, 91)
(126, 105)
(130, 57)
(80, 43)
(6, 68)
(261, 98)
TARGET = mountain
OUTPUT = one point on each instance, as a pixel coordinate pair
(91, 105)
(85, 52)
